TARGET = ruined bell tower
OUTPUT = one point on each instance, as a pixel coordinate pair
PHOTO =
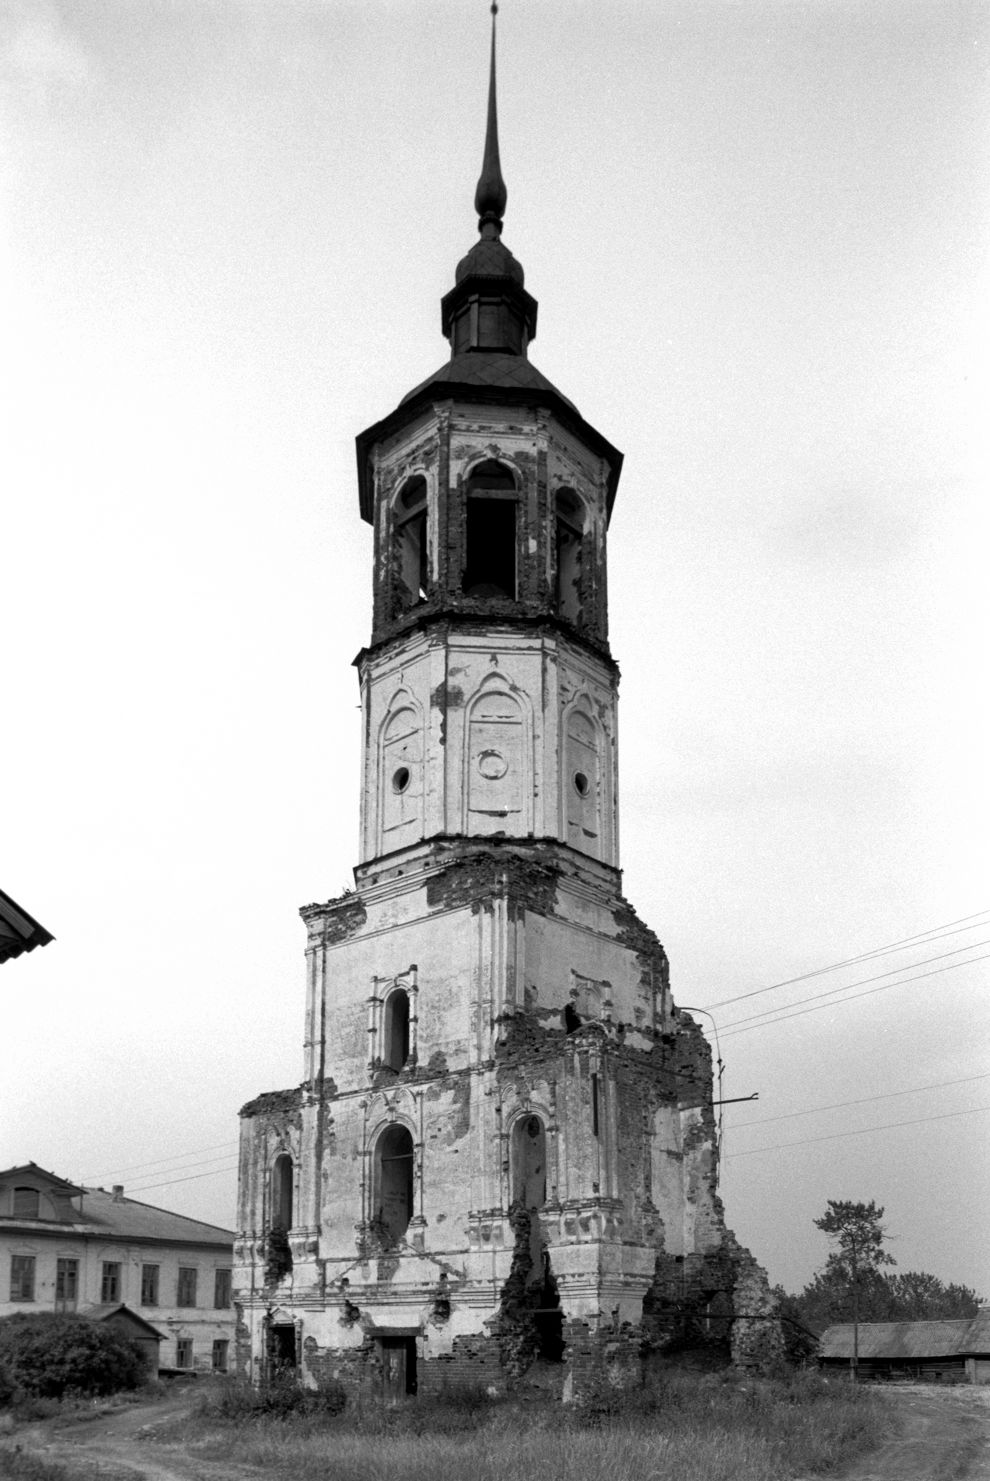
(503, 1148)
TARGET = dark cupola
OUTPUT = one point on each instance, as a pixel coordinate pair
(488, 309)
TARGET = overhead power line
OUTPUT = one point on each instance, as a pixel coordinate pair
(161, 1161)
(833, 992)
(192, 1178)
(838, 1136)
(865, 956)
(887, 987)
(863, 1101)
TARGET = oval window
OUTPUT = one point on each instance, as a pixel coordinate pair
(400, 779)
(581, 784)
(492, 765)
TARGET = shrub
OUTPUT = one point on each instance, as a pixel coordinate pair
(279, 1398)
(8, 1387)
(49, 1355)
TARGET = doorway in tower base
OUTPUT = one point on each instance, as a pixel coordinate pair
(282, 1358)
(397, 1354)
(532, 1321)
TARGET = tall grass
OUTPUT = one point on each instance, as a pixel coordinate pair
(690, 1429)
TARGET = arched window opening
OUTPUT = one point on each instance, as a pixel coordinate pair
(529, 1162)
(394, 1182)
(27, 1203)
(528, 1165)
(396, 1044)
(282, 1193)
(410, 541)
(490, 532)
(569, 512)
(572, 1018)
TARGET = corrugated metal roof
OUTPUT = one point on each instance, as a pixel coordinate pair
(905, 1341)
(94, 1211)
(128, 1219)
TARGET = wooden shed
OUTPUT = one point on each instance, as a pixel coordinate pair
(935, 1352)
(129, 1324)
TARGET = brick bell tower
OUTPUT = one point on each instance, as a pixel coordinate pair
(503, 1150)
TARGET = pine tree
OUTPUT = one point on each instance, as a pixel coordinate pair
(859, 1236)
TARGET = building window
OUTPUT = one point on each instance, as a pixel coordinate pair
(394, 1183)
(66, 1284)
(221, 1289)
(22, 1277)
(410, 541)
(220, 1347)
(490, 533)
(27, 1202)
(396, 1029)
(184, 1352)
(569, 513)
(149, 1285)
(110, 1284)
(186, 1293)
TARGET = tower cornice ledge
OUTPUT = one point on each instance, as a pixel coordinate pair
(478, 614)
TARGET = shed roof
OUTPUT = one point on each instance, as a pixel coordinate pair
(978, 1337)
(902, 1341)
(97, 1312)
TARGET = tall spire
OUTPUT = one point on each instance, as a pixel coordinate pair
(491, 194)
(488, 309)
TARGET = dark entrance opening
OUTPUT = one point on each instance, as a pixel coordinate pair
(282, 1348)
(398, 1366)
(549, 1318)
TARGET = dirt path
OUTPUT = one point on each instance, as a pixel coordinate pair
(946, 1437)
(123, 1446)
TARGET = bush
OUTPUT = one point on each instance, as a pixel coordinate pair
(279, 1398)
(50, 1355)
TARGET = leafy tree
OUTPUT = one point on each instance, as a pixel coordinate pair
(48, 1354)
(858, 1235)
(916, 1296)
(827, 1298)
(913, 1296)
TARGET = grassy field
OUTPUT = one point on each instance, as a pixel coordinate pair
(695, 1428)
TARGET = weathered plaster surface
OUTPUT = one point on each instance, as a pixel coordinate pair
(503, 1144)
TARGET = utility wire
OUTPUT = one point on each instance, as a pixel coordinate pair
(894, 971)
(192, 1178)
(952, 967)
(863, 1101)
(160, 1162)
(838, 1136)
(855, 960)
(226, 1148)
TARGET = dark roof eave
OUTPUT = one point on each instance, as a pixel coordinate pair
(433, 391)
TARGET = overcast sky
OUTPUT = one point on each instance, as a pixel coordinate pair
(757, 230)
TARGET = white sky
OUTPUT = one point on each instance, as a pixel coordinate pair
(758, 233)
